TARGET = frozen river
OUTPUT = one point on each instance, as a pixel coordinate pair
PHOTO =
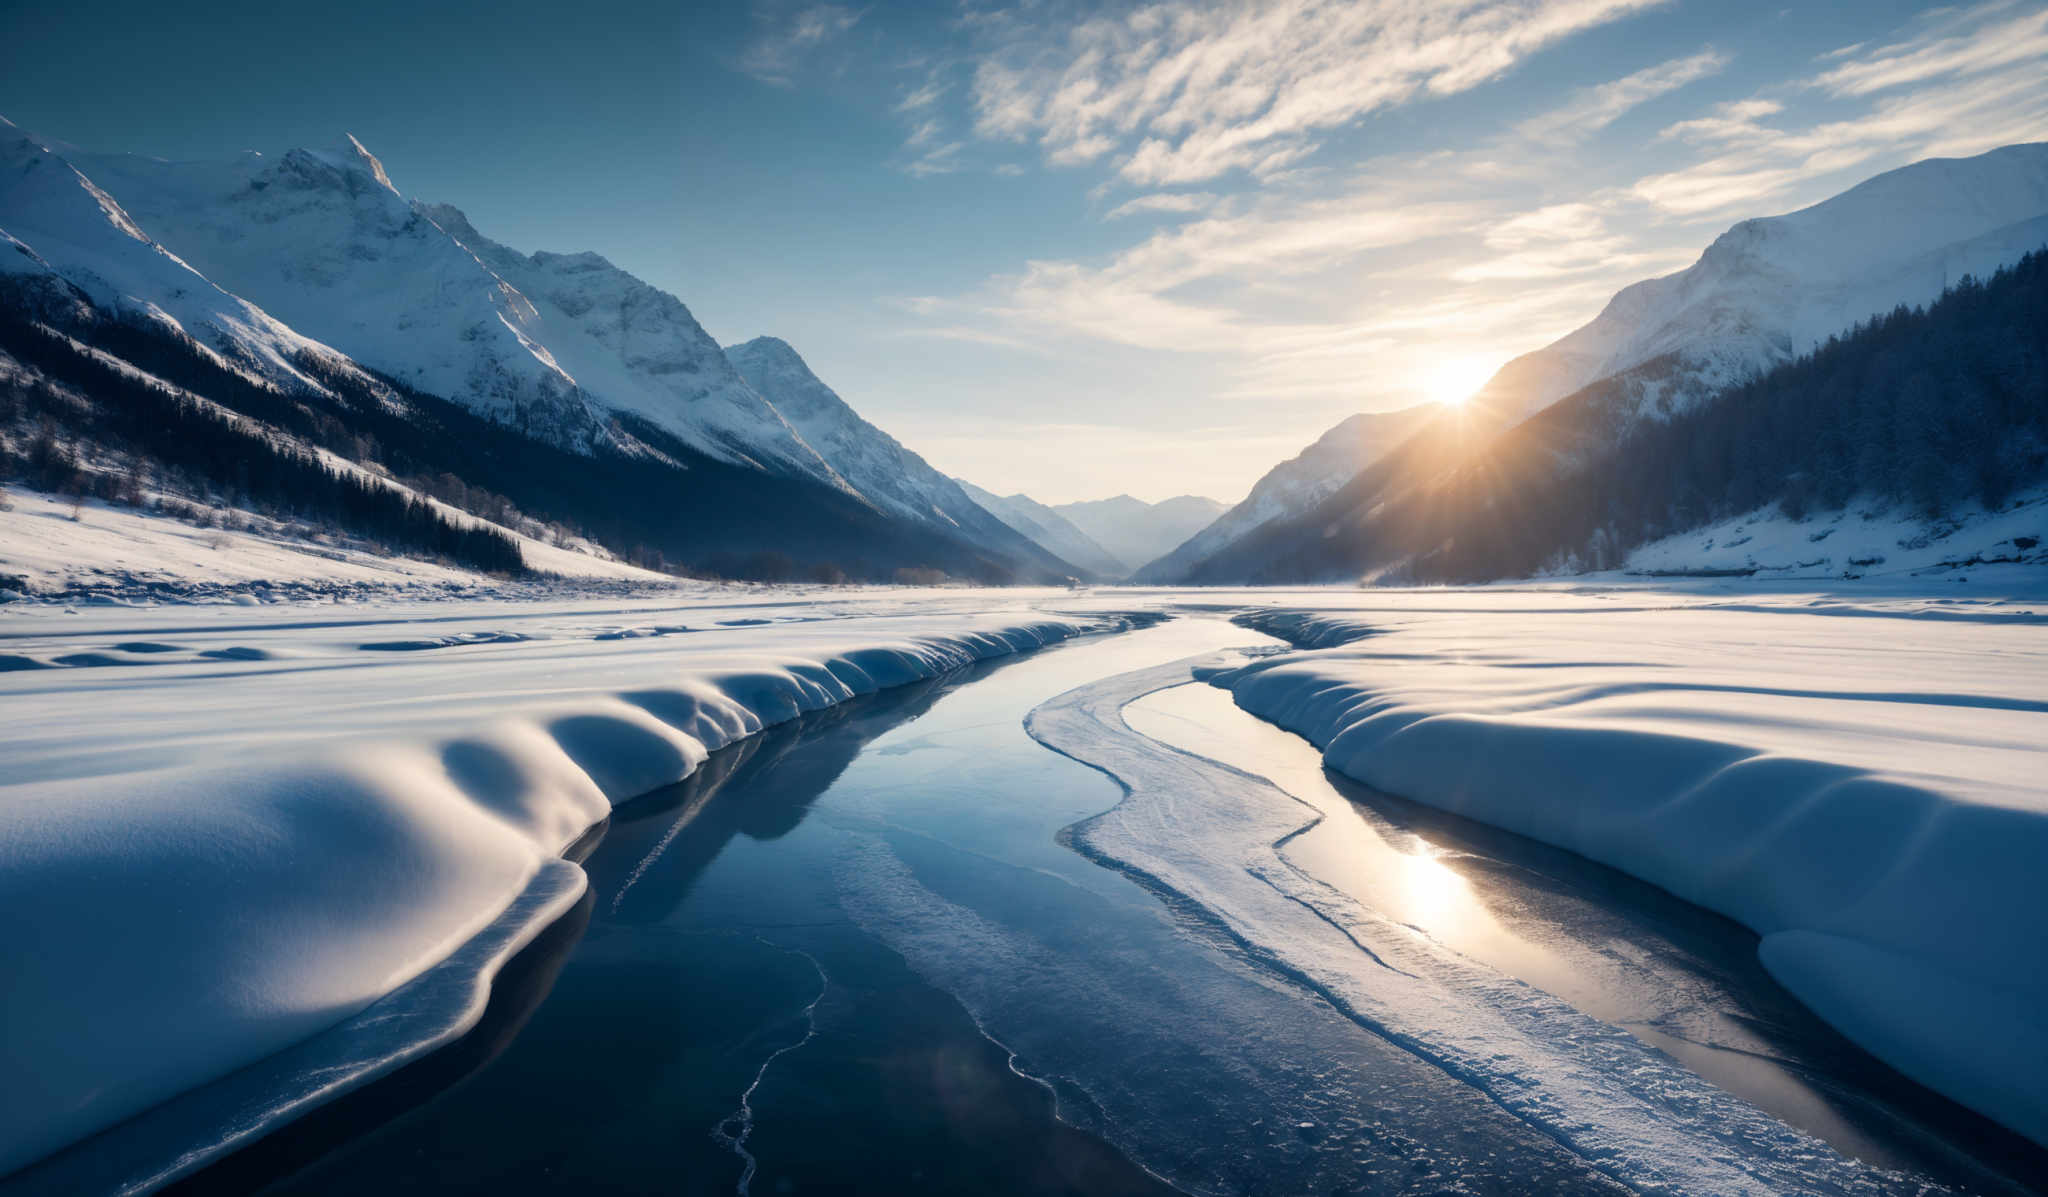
(902, 945)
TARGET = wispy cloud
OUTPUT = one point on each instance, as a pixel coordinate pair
(923, 96)
(1182, 92)
(1165, 201)
(1956, 44)
(789, 37)
(941, 159)
(1966, 80)
(1595, 108)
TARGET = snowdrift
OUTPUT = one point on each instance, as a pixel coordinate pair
(1863, 792)
(209, 859)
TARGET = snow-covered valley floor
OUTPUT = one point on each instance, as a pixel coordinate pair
(225, 829)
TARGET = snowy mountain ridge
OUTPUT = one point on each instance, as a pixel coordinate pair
(1772, 288)
(872, 462)
(58, 230)
(557, 344)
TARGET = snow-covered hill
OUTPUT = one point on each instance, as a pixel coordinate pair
(1770, 289)
(1299, 483)
(1047, 528)
(1135, 531)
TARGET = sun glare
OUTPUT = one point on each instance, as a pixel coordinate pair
(1457, 379)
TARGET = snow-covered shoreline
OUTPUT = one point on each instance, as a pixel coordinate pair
(266, 825)
(228, 828)
(1865, 794)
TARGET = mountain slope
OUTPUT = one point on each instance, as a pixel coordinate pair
(57, 227)
(1771, 289)
(556, 344)
(1136, 532)
(678, 459)
(1048, 528)
(871, 461)
(1763, 293)
(1297, 484)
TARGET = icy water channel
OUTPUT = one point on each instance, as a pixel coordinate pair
(899, 946)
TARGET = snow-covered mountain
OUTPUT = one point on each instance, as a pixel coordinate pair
(871, 461)
(1047, 528)
(1299, 483)
(58, 230)
(1765, 292)
(557, 344)
(1770, 289)
(312, 274)
(1135, 531)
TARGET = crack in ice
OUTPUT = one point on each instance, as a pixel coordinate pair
(733, 1130)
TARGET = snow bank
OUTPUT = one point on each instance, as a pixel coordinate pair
(1865, 793)
(210, 859)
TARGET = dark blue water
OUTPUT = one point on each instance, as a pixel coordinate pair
(622, 1052)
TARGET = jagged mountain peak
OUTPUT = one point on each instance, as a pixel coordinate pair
(355, 155)
(71, 238)
(345, 165)
(559, 344)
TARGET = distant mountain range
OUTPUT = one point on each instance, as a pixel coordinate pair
(1047, 527)
(312, 275)
(1297, 484)
(1764, 294)
(1135, 532)
(1109, 538)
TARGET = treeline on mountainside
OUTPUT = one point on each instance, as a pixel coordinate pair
(688, 513)
(1929, 408)
(166, 431)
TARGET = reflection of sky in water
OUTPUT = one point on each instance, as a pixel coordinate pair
(1568, 927)
(1397, 873)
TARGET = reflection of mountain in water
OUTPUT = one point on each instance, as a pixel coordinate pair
(761, 788)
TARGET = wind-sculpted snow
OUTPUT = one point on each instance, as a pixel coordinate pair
(1866, 794)
(212, 859)
(1212, 838)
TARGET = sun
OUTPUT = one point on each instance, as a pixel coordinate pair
(1456, 379)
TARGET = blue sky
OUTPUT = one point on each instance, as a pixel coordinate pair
(1080, 249)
